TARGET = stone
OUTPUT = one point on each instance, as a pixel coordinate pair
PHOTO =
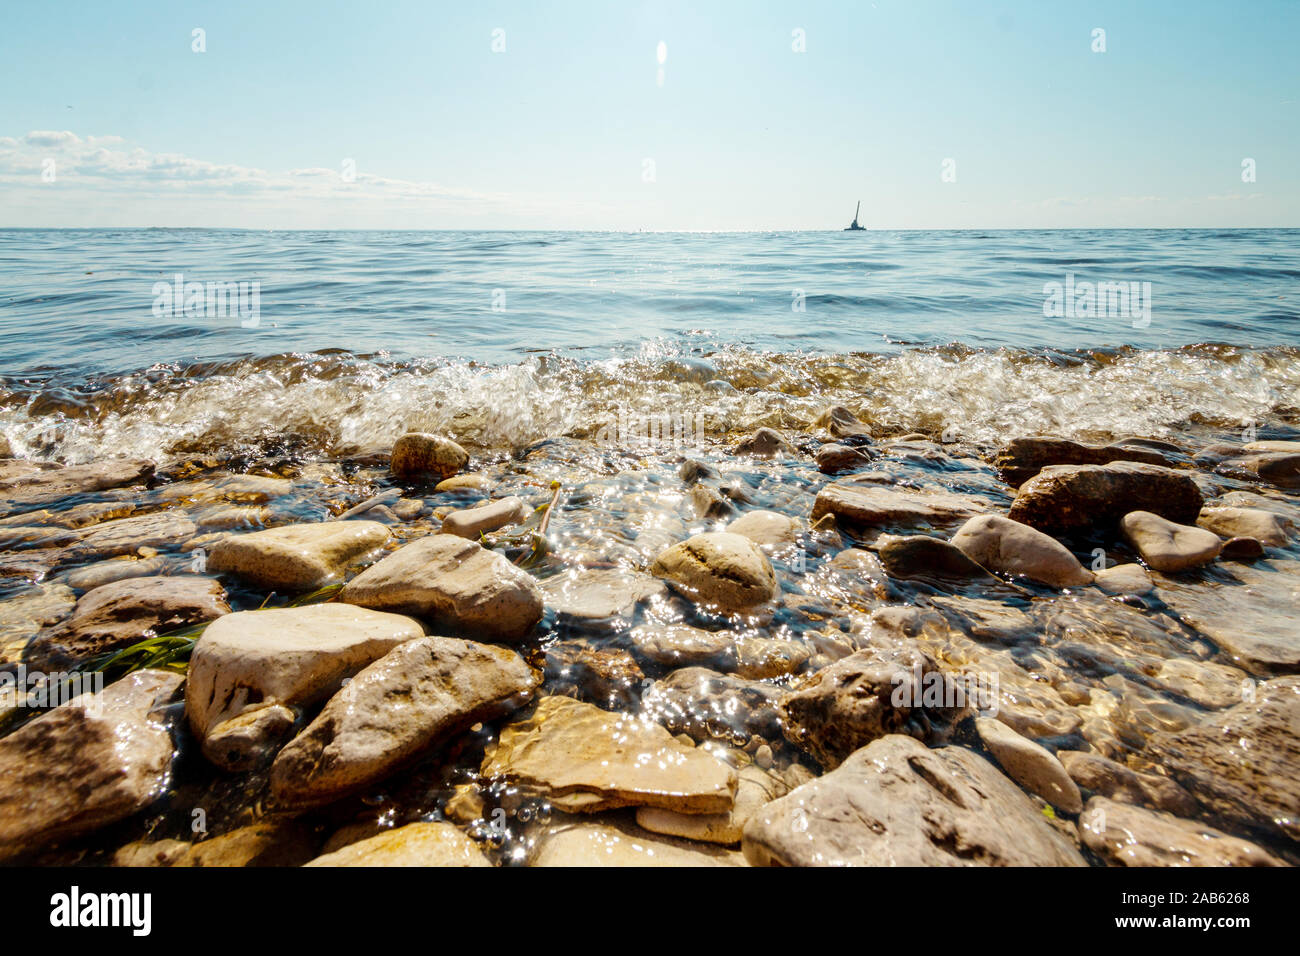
(704, 704)
(416, 844)
(584, 759)
(1281, 469)
(1166, 546)
(861, 505)
(418, 694)
(1129, 579)
(761, 658)
(1125, 835)
(719, 569)
(95, 760)
(833, 458)
(270, 842)
(128, 535)
(24, 484)
(1272, 446)
(252, 672)
(454, 584)
(117, 615)
(1010, 547)
(1268, 528)
(1242, 763)
(842, 423)
(1107, 778)
(1065, 498)
(769, 530)
(610, 843)
(897, 803)
(986, 620)
(710, 503)
(921, 556)
(1023, 458)
(680, 645)
(251, 489)
(1241, 549)
(297, 557)
(608, 677)
(421, 456)
(1030, 765)
(23, 615)
(474, 522)
(604, 599)
(766, 443)
(114, 569)
(693, 470)
(473, 481)
(882, 690)
(755, 788)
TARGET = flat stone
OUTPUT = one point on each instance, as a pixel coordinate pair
(1023, 458)
(114, 569)
(251, 489)
(719, 569)
(1266, 527)
(1166, 546)
(865, 505)
(454, 584)
(416, 844)
(584, 759)
(833, 458)
(474, 522)
(1066, 498)
(117, 615)
(1010, 547)
(1242, 763)
(767, 529)
(95, 760)
(614, 843)
(297, 557)
(1125, 835)
(1107, 778)
(270, 842)
(474, 481)
(419, 455)
(897, 803)
(1124, 579)
(252, 672)
(680, 645)
(1209, 684)
(1281, 469)
(23, 484)
(766, 443)
(1030, 765)
(921, 556)
(602, 599)
(1272, 447)
(25, 614)
(755, 788)
(418, 694)
(705, 704)
(128, 535)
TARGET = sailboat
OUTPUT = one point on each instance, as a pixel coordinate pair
(855, 227)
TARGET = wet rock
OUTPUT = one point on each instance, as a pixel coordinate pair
(680, 645)
(1124, 579)
(1065, 498)
(921, 556)
(473, 522)
(128, 536)
(762, 658)
(24, 615)
(584, 759)
(710, 503)
(1030, 765)
(298, 557)
(864, 505)
(416, 844)
(23, 484)
(1010, 547)
(1267, 527)
(608, 677)
(1023, 458)
(421, 456)
(693, 470)
(117, 615)
(452, 583)
(834, 458)
(1272, 446)
(252, 489)
(719, 569)
(114, 569)
(1243, 763)
(881, 690)
(1107, 778)
(604, 599)
(1208, 684)
(704, 704)
(252, 672)
(271, 842)
(95, 760)
(1125, 835)
(897, 803)
(1166, 546)
(1281, 469)
(766, 443)
(987, 620)
(842, 423)
(1242, 549)
(617, 843)
(767, 529)
(418, 694)
(470, 482)
(755, 788)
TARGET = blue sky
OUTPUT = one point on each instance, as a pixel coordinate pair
(556, 131)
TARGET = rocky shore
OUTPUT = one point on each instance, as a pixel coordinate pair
(841, 646)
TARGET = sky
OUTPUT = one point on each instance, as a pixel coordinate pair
(761, 115)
